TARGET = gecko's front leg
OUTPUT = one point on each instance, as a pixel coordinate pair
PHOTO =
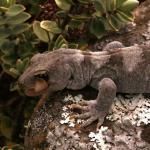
(98, 109)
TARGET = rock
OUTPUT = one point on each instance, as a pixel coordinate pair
(53, 127)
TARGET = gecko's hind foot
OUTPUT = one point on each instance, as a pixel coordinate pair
(90, 112)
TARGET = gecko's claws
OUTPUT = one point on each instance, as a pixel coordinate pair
(78, 106)
(91, 113)
(83, 116)
(100, 122)
(88, 121)
(84, 102)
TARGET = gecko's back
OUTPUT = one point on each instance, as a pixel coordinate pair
(128, 66)
(131, 67)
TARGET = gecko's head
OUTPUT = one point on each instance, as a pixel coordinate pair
(34, 80)
(44, 73)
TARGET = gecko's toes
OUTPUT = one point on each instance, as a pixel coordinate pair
(82, 105)
(88, 121)
(78, 106)
(100, 122)
(91, 120)
(83, 116)
(90, 113)
(84, 102)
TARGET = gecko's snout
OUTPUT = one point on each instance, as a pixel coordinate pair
(32, 87)
(22, 83)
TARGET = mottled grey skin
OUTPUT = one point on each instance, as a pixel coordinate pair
(115, 69)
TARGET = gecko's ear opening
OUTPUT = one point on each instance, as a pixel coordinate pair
(42, 75)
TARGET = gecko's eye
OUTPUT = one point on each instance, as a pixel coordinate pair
(42, 75)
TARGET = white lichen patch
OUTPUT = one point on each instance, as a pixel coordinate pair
(132, 110)
(135, 109)
(67, 113)
(99, 139)
(66, 117)
(74, 99)
(68, 98)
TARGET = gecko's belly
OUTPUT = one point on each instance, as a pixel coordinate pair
(133, 86)
(129, 85)
(135, 81)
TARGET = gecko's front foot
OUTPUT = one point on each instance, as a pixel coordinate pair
(98, 109)
(91, 112)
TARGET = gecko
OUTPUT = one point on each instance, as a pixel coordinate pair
(115, 69)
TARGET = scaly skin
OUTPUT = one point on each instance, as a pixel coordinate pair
(115, 69)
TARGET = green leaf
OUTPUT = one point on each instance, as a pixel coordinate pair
(14, 72)
(2, 21)
(14, 87)
(97, 28)
(113, 5)
(35, 9)
(61, 13)
(9, 60)
(21, 65)
(7, 3)
(15, 10)
(113, 27)
(64, 46)
(3, 9)
(60, 42)
(2, 41)
(11, 2)
(6, 126)
(106, 24)
(119, 3)
(7, 47)
(75, 23)
(84, 1)
(50, 26)
(97, 14)
(20, 18)
(80, 17)
(121, 18)
(17, 29)
(70, 2)
(114, 22)
(108, 4)
(129, 5)
(6, 68)
(73, 45)
(5, 32)
(26, 50)
(100, 6)
(125, 17)
(63, 4)
(26, 62)
(41, 33)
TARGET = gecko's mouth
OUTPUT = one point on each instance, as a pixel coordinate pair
(39, 88)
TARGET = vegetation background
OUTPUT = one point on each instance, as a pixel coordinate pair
(31, 26)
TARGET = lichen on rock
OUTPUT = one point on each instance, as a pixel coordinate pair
(135, 109)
